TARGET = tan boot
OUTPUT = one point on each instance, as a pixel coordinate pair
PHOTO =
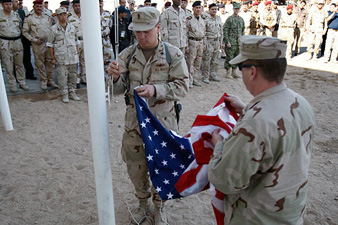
(141, 215)
(74, 96)
(234, 73)
(227, 74)
(160, 217)
(65, 98)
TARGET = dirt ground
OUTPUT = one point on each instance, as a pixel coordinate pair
(46, 167)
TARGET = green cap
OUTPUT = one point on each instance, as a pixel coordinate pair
(144, 19)
(260, 48)
(236, 5)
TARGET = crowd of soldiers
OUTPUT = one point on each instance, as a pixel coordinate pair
(200, 33)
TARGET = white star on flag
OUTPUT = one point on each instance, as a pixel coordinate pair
(143, 125)
(150, 157)
(141, 107)
(158, 189)
(150, 139)
(182, 166)
(164, 163)
(166, 181)
(175, 174)
(164, 144)
(173, 155)
(156, 150)
(155, 132)
(182, 147)
(156, 171)
(147, 120)
(170, 196)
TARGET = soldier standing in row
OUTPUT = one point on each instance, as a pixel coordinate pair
(36, 29)
(233, 29)
(63, 47)
(268, 20)
(75, 19)
(196, 34)
(287, 27)
(246, 15)
(255, 19)
(173, 26)
(300, 25)
(316, 25)
(184, 4)
(210, 59)
(332, 35)
(11, 48)
(106, 25)
(278, 14)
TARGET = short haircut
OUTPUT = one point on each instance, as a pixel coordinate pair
(334, 4)
(303, 1)
(272, 70)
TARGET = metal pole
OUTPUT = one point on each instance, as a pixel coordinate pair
(4, 108)
(97, 110)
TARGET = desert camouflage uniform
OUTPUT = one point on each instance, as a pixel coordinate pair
(316, 24)
(268, 18)
(173, 28)
(286, 31)
(12, 50)
(38, 27)
(64, 41)
(188, 13)
(233, 29)
(254, 22)
(210, 59)
(300, 26)
(246, 17)
(196, 37)
(77, 23)
(171, 83)
(106, 25)
(262, 167)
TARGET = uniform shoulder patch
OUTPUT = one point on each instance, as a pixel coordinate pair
(54, 14)
(203, 17)
(189, 17)
(69, 14)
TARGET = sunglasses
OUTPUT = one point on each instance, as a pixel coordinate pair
(241, 66)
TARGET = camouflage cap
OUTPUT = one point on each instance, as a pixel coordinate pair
(260, 48)
(144, 19)
(61, 10)
(236, 5)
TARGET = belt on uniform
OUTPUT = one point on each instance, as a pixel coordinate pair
(213, 39)
(81, 38)
(195, 39)
(105, 36)
(10, 38)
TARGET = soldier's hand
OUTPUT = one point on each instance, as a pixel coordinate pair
(236, 103)
(229, 45)
(114, 70)
(146, 91)
(38, 42)
(216, 137)
(53, 61)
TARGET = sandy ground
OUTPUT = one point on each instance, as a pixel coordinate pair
(46, 167)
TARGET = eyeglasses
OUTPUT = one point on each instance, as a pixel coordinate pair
(241, 66)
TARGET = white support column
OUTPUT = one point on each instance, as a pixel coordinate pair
(4, 108)
(98, 110)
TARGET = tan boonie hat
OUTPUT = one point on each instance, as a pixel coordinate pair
(144, 19)
(260, 48)
(61, 10)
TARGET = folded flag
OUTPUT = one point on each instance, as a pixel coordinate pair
(178, 166)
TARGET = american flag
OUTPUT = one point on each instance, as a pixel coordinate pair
(178, 166)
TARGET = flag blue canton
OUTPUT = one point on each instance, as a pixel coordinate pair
(167, 154)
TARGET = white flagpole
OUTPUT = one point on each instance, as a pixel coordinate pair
(4, 108)
(97, 110)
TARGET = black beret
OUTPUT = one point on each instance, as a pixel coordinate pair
(212, 5)
(147, 1)
(196, 3)
(6, 1)
(64, 3)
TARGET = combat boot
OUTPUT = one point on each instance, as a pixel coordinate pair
(74, 96)
(227, 74)
(65, 98)
(234, 73)
(24, 87)
(160, 216)
(141, 213)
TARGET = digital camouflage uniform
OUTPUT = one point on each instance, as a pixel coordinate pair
(254, 23)
(286, 31)
(64, 41)
(246, 17)
(210, 59)
(76, 21)
(173, 28)
(11, 48)
(268, 18)
(196, 37)
(262, 167)
(316, 24)
(233, 29)
(106, 24)
(39, 27)
(171, 83)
